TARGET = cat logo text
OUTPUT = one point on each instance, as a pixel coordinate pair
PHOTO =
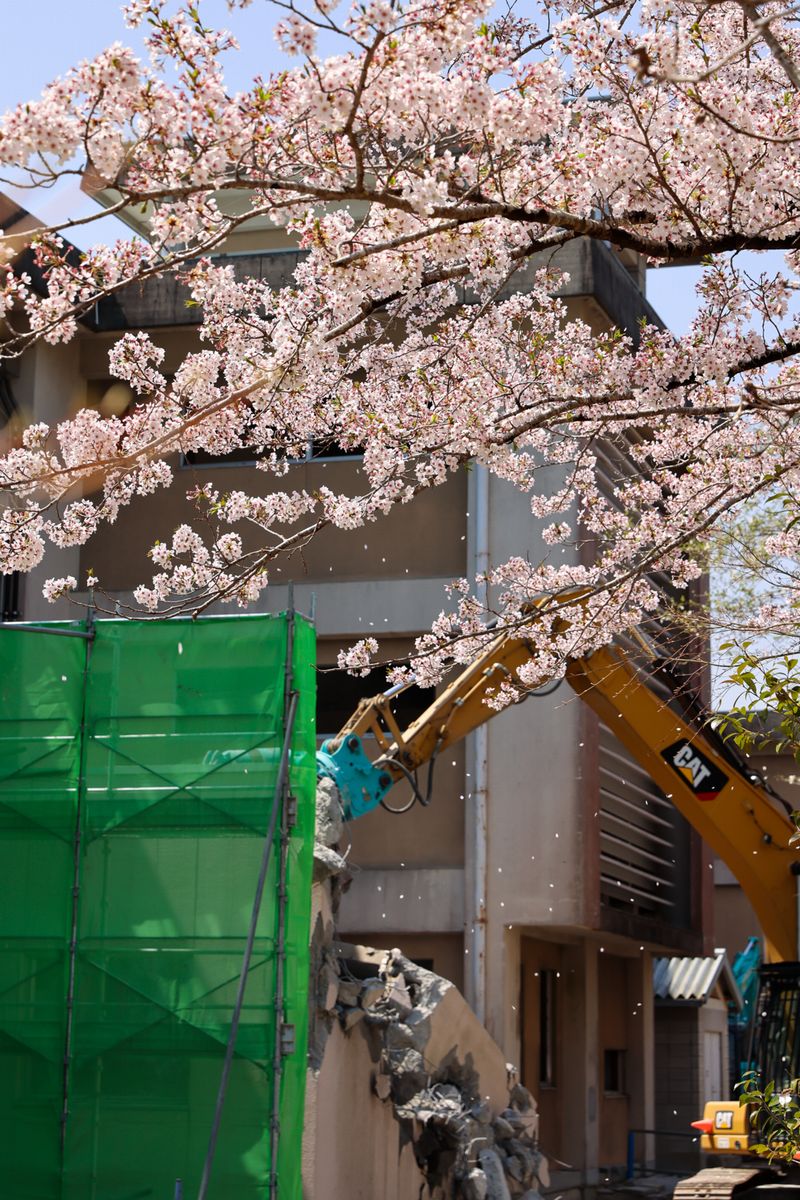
(703, 777)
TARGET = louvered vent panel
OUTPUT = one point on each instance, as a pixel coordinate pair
(645, 844)
(643, 840)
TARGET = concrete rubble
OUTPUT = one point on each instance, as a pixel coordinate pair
(328, 863)
(473, 1135)
(463, 1145)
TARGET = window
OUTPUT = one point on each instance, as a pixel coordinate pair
(9, 597)
(8, 406)
(246, 456)
(338, 695)
(614, 1072)
(332, 449)
(547, 1028)
(205, 458)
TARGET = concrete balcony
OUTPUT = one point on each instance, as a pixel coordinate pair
(598, 278)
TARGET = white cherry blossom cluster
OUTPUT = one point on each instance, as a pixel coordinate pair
(430, 173)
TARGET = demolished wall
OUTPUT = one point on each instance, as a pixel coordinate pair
(409, 1098)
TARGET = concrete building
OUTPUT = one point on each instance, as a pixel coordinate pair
(548, 869)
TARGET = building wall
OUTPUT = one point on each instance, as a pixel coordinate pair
(539, 956)
(614, 1022)
(353, 1145)
(568, 1100)
(422, 538)
(603, 1002)
(734, 918)
(48, 388)
(677, 1068)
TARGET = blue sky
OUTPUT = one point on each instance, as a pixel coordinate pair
(44, 38)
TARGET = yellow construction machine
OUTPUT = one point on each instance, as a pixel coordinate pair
(731, 806)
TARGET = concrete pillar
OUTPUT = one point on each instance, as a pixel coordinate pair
(641, 1054)
(495, 978)
(580, 1037)
(52, 389)
(475, 880)
(476, 784)
(503, 966)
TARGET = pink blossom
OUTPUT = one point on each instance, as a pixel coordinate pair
(358, 658)
(54, 589)
(431, 171)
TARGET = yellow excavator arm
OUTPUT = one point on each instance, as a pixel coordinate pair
(743, 821)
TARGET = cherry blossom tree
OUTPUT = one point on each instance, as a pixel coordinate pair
(440, 148)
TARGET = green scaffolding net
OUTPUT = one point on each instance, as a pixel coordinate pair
(137, 774)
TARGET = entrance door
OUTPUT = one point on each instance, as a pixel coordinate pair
(712, 1066)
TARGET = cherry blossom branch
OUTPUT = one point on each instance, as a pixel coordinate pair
(764, 26)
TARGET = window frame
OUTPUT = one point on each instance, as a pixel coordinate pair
(548, 1009)
(619, 1071)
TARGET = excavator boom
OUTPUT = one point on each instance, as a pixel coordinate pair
(746, 824)
(740, 818)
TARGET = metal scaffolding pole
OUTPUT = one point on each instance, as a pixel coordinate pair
(279, 812)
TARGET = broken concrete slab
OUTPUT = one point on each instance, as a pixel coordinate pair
(410, 1076)
(438, 1104)
(492, 1167)
(475, 1186)
(327, 987)
(398, 997)
(456, 1028)
(352, 1017)
(526, 1157)
(526, 1124)
(482, 1113)
(349, 991)
(440, 1075)
(479, 1141)
(452, 1102)
(363, 962)
(448, 1091)
(419, 1022)
(327, 863)
(330, 813)
(513, 1167)
(398, 1036)
(372, 990)
(521, 1099)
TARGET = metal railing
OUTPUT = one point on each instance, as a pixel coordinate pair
(630, 1165)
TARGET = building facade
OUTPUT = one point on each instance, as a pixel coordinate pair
(548, 870)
